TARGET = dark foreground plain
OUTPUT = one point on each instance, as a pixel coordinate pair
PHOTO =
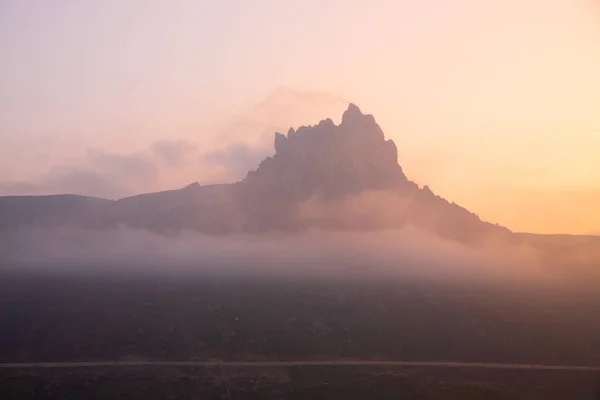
(324, 382)
(109, 317)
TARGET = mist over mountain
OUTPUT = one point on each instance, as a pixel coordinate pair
(227, 147)
(247, 138)
(343, 176)
(347, 176)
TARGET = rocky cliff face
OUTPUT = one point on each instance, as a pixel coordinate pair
(348, 177)
(342, 176)
(332, 161)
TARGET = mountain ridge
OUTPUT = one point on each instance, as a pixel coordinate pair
(314, 168)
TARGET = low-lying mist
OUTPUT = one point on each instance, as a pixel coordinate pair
(399, 254)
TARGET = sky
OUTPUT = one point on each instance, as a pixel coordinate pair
(493, 104)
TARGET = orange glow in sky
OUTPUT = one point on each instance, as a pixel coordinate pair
(493, 104)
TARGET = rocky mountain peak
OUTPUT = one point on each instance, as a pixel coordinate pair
(346, 175)
(332, 160)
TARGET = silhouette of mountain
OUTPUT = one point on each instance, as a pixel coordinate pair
(246, 139)
(329, 164)
(331, 176)
(51, 210)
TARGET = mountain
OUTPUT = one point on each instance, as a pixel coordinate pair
(247, 137)
(281, 108)
(51, 210)
(352, 165)
(329, 176)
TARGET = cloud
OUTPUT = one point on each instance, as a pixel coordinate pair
(175, 153)
(237, 159)
(247, 138)
(99, 173)
(66, 180)
(11, 188)
(88, 183)
(130, 170)
(232, 149)
(391, 254)
(102, 174)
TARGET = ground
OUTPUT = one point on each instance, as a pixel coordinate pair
(127, 317)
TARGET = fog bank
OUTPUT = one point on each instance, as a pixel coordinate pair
(390, 254)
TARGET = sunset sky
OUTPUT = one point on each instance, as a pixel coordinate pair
(494, 104)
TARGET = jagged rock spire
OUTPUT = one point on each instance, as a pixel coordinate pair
(329, 158)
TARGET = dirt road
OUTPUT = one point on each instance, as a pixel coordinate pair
(440, 364)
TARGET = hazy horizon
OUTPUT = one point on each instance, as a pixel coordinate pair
(493, 105)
